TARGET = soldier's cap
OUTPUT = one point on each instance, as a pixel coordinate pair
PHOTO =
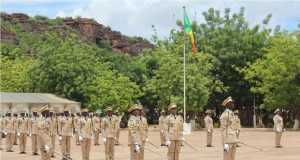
(44, 108)
(172, 106)
(109, 109)
(277, 110)
(236, 111)
(134, 107)
(163, 111)
(227, 100)
(84, 110)
(208, 111)
(34, 109)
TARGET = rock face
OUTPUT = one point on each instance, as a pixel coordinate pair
(88, 30)
(7, 36)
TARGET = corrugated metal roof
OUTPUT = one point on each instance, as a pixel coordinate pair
(33, 98)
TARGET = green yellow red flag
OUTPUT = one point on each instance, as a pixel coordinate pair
(187, 26)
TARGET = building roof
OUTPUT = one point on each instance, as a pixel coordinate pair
(33, 98)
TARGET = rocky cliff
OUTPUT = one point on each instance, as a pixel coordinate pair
(87, 29)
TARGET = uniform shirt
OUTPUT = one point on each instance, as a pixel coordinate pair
(227, 128)
(134, 135)
(53, 125)
(236, 123)
(278, 123)
(9, 125)
(174, 127)
(66, 126)
(97, 123)
(162, 123)
(86, 127)
(144, 128)
(33, 125)
(23, 125)
(77, 120)
(209, 124)
(110, 126)
(1, 124)
(43, 130)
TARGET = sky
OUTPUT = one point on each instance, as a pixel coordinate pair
(136, 17)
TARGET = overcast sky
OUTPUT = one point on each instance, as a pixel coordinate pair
(135, 17)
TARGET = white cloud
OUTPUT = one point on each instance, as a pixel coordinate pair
(135, 17)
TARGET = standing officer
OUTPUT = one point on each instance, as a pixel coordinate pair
(162, 128)
(174, 134)
(278, 127)
(237, 124)
(109, 131)
(209, 125)
(134, 135)
(1, 130)
(144, 131)
(77, 127)
(33, 131)
(97, 128)
(86, 134)
(15, 136)
(66, 130)
(9, 130)
(119, 116)
(230, 139)
(23, 125)
(44, 139)
(53, 130)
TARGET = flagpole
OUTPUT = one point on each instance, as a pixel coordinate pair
(184, 78)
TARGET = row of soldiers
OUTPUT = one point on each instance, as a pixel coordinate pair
(48, 127)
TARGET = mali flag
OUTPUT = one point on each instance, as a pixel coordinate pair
(188, 30)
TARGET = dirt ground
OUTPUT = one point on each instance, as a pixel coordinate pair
(257, 137)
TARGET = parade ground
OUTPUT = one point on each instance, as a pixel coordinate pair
(260, 138)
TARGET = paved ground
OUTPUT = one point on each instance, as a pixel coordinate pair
(260, 138)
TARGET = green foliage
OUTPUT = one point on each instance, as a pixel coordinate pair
(277, 74)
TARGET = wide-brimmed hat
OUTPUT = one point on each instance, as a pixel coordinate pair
(208, 111)
(172, 106)
(134, 107)
(109, 109)
(277, 110)
(227, 100)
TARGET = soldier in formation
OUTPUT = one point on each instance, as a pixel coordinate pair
(23, 125)
(278, 127)
(66, 132)
(209, 126)
(162, 128)
(86, 134)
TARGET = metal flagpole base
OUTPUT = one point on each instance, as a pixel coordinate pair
(187, 128)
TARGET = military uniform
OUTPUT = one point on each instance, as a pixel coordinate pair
(209, 126)
(86, 133)
(1, 130)
(97, 129)
(33, 132)
(15, 136)
(237, 123)
(66, 131)
(174, 134)
(144, 132)
(162, 129)
(229, 137)
(134, 135)
(9, 129)
(109, 131)
(23, 125)
(278, 128)
(53, 133)
(77, 128)
(119, 129)
(44, 138)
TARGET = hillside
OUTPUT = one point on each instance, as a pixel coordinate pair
(87, 29)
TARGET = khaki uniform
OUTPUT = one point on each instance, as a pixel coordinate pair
(174, 134)
(162, 129)
(278, 129)
(53, 133)
(66, 130)
(33, 131)
(77, 128)
(23, 126)
(229, 137)
(237, 125)
(9, 129)
(15, 136)
(134, 137)
(119, 129)
(97, 129)
(109, 131)
(1, 131)
(144, 132)
(44, 139)
(209, 126)
(86, 132)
